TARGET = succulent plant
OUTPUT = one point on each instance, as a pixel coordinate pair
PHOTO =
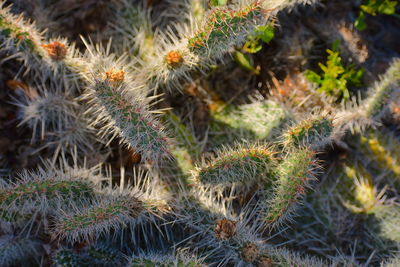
(150, 156)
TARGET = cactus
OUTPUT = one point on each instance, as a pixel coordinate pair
(120, 103)
(40, 191)
(382, 149)
(375, 106)
(185, 49)
(155, 259)
(237, 165)
(100, 217)
(214, 170)
(382, 91)
(294, 175)
(312, 132)
(65, 257)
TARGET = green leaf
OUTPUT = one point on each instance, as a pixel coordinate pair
(252, 46)
(360, 22)
(335, 45)
(370, 9)
(312, 76)
(245, 62)
(335, 77)
(387, 7)
(265, 33)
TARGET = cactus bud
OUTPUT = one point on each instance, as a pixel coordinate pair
(249, 252)
(225, 229)
(56, 50)
(174, 59)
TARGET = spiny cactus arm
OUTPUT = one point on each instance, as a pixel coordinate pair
(39, 191)
(97, 218)
(18, 35)
(67, 257)
(158, 259)
(21, 251)
(224, 28)
(55, 117)
(241, 165)
(314, 132)
(134, 26)
(121, 105)
(294, 175)
(113, 209)
(185, 48)
(382, 149)
(284, 257)
(101, 254)
(382, 91)
(22, 40)
(371, 110)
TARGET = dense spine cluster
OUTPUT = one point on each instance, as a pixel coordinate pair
(100, 217)
(311, 132)
(242, 165)
(218, 196)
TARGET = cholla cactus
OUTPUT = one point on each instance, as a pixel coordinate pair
(382, 150)
(120, 105)
(217, 229)
(294, 175)
(40, 192)
(78, 207)
(197, 48)
(228, 238)
(97, 218)
(313, 132)
(43, 58)
(383, 91)
(244, 165)
(225, 191)
(376, 105)
(156, 259)
(56, 117)
(224, 28)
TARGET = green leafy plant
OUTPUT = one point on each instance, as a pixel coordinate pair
(336, 77)
(374, 7)
(261, 34)
(264, 33)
